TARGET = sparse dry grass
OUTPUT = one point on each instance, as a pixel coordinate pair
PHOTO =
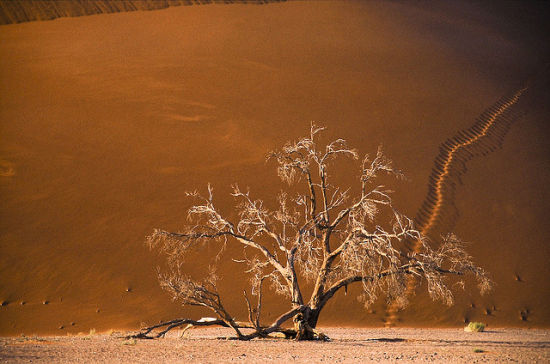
(475, 327)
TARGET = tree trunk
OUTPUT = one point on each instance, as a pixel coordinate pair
(305, 323)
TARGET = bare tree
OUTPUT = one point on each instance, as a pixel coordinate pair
(324, 236)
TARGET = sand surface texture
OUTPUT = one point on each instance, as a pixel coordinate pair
(347, 346)
(106, 120)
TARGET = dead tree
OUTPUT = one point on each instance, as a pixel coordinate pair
(324, 236)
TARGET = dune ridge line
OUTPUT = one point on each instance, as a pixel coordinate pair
(20, 11)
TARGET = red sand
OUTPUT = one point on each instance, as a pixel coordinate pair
(107, 120)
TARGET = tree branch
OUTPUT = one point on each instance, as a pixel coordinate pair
(346, 281)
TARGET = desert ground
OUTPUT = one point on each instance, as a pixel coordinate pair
(347, 346)
(106, 120)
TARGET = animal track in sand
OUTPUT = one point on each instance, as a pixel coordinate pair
(438, 209)
(485, 136)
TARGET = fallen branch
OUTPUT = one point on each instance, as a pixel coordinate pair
(148, 332)
(169, 325)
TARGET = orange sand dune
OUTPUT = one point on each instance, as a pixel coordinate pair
(105, 122)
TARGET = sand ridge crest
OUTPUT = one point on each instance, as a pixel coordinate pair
(19, 11)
